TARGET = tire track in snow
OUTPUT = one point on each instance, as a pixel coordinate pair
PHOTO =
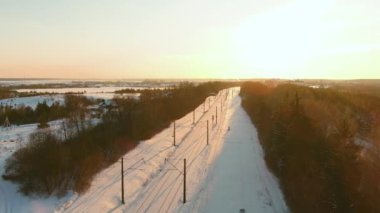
(3, 201)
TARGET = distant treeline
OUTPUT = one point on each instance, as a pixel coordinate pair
(128, 90)
(322, 144)
(368, 89)
(50, 166)
(51, 85)
(43, 112)
(27, 115)
(6, 93)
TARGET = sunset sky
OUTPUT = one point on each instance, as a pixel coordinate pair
(190, 39)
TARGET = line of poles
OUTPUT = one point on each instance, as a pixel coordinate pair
(174, 143)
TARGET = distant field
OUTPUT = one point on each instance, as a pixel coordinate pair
(110, 89)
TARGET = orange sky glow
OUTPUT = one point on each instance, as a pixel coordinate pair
(190, 39)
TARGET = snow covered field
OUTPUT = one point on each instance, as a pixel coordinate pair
(224, 176)
(78, 90)
(32, 82)
(33, 100)
(106, 93)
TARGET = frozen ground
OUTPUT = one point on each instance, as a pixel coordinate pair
(224, 176)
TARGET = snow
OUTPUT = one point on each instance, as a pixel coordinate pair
(106, 93)
(17, 82)
(109, 96)
(224, 176)
(33, 100)
(11, 138)
(240, 178)
(16, 133)
(154, 170)
(76, 90)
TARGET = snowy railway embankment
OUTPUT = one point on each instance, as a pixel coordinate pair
(225, 170)
(154, 171)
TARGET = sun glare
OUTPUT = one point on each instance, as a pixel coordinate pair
(281, 39)
(190, 39)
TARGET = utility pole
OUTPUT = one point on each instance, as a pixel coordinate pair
(122, 181)
(216, 114)
(193, 116)
(174, 132)
(207, 132)
(221, 105)
(184, 180)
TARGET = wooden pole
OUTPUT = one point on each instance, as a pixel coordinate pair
(216, 114)
(207, 132)
(174, 132)
(221, 105)
(122, 181)
(184, 180)
(193, 116)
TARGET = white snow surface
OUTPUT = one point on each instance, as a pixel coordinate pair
(227, 175)
(240, 179)
(11, 138)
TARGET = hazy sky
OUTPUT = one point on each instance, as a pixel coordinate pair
(190, 38)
